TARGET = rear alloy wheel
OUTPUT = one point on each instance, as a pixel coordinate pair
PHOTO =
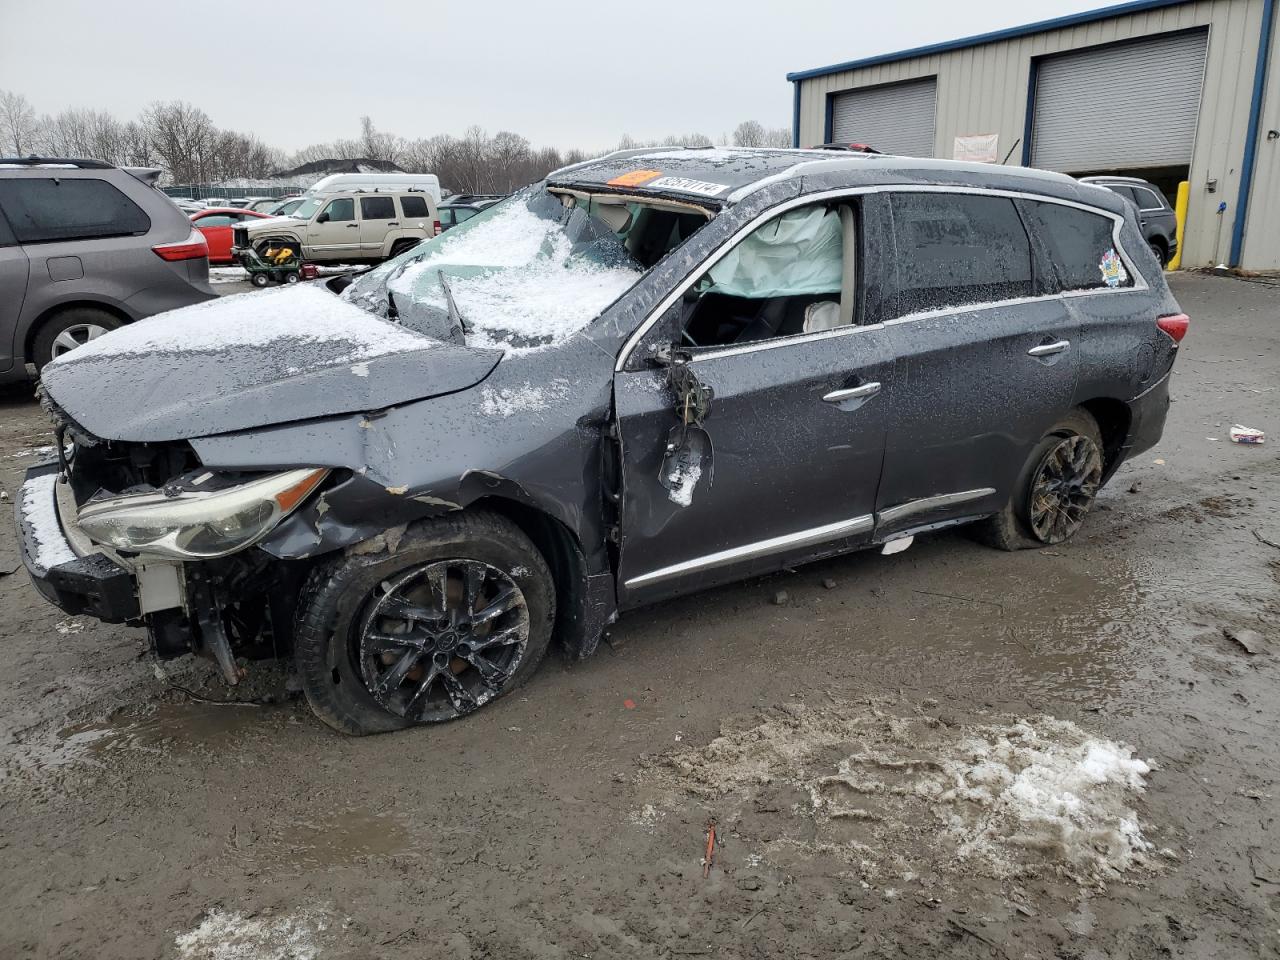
(1054, 490)
(456, 615)
(68, 330)
(1064, 488)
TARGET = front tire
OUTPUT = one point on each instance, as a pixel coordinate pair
(259, 279)
(1054, 491)
(67, 330)
(458, 614)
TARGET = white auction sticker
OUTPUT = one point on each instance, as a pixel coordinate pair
(685, 185)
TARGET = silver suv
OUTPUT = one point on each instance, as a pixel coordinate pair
(346, 226)
(84, 248)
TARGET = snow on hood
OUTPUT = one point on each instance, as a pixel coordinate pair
(302, 316)
(295, 353)
(269, 223)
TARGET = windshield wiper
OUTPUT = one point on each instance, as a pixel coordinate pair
(455, 316)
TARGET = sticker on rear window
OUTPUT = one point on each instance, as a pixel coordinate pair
(1112, 267)
(685, 185)
(635, 178)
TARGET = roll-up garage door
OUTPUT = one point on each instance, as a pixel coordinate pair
(897, 118)
(1119, 107)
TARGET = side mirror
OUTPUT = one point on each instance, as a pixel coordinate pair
(323, 218)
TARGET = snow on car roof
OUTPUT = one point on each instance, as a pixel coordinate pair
(721, 175)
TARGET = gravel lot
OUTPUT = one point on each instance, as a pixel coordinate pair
(1056, 754)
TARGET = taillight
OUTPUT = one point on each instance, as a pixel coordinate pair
(1174, 325)
(438, 229)
(192, 248)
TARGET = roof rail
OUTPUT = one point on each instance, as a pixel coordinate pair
(56, 162)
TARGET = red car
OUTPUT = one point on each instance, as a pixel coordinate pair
(216, 225)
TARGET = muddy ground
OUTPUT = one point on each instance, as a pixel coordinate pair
(570, 820)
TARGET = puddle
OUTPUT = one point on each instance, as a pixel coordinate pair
(332, 840)
(151, 729)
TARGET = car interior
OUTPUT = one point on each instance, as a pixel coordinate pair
(795, 274)
(649, 229)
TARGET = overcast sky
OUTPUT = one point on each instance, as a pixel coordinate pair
(562, 74)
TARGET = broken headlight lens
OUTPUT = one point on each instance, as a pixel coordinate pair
(196, 525)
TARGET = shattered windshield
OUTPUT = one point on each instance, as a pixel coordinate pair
(524, 274)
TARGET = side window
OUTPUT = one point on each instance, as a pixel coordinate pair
(415, 207)
(782, 279)
(1148, 200)
(7, 238)
(1122, 191)
(42, 210)
(1080, 245)
(342, 209)
(217, 220)
(956, 249)
(377, 208)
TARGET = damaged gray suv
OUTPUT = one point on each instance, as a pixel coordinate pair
(649, 374)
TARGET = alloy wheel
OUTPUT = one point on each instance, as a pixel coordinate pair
(443, 639)
(76, 336)
(1064, 488)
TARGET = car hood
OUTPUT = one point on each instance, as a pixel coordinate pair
(254, 225)
(251, 360)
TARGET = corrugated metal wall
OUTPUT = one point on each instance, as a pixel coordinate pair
(1262, 233)
(984, 90)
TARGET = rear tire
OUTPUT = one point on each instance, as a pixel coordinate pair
(291, 277)
(1039, 494)
(343, 608)
(1157, 251)
(69, 329)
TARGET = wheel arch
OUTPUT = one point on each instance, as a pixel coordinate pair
(1114, 419)
(563, 553)
(33, 330)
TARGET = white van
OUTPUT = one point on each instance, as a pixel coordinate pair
(348, 182)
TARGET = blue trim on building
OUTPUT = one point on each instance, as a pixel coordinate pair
(795, 116)
(1028, 125)
(1058, 23)
(1251, 137)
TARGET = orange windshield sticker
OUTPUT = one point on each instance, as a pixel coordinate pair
(635, 178)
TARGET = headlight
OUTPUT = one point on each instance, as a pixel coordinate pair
(199, 525)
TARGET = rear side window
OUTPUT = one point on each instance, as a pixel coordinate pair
(415, 207)
(41, 210)
(1080, 245)
(217, 220)
(957, 249)
(1148, 199)
(377, 208)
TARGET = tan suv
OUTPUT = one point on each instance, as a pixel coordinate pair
(347, 226)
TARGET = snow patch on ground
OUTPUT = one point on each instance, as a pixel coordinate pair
(36, 497)
(905, 797)
(288, 317)
(224, 935)
(507, 401)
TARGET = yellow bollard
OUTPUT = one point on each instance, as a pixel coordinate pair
(1180, 211)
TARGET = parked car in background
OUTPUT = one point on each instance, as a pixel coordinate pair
(1156, 218)
(215, 202)
(647, 375)
(851, 147)
(263, 204)
(463, 206)
(187, 206)
(284, 208)
(84, 248)
(216, 225)
(347, 227)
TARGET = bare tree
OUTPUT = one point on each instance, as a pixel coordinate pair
(777, 137)
(17, 124)
(182, 136)
(749, 133)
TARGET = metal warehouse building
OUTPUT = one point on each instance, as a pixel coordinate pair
(1167, 90)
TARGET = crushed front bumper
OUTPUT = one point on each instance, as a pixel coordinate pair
(76, 581)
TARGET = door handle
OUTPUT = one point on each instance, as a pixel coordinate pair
(393, 223)
(353, 226)
(852, 393)
(1048, 349)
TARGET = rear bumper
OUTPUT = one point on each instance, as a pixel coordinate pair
(1147, 414)
(92, 584)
